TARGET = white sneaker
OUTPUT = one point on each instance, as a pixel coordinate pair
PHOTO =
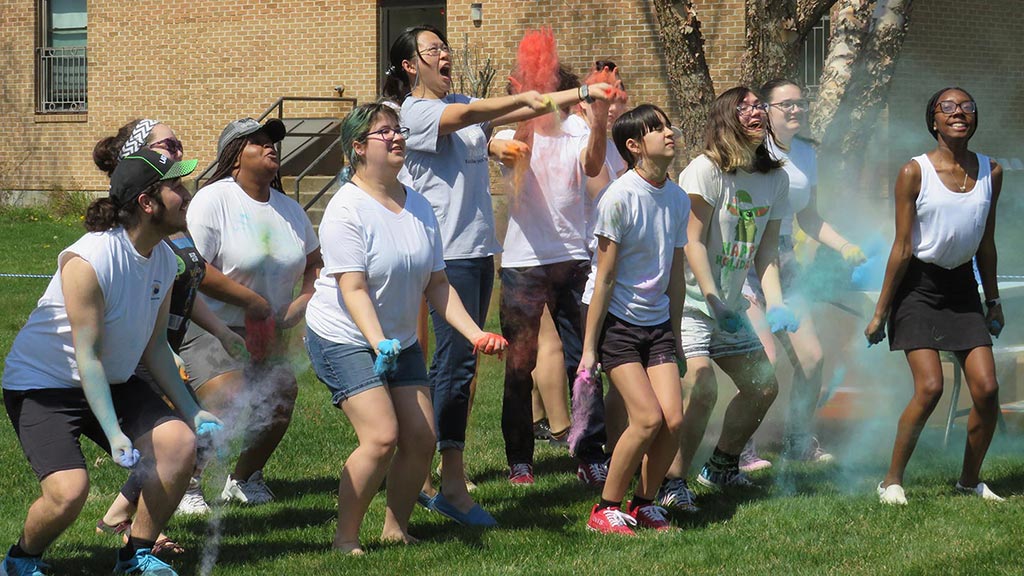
(193, 502)
(892, 495)
(982, 490)
(251, 491)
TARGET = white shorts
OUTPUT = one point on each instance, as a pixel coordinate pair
(701, 336)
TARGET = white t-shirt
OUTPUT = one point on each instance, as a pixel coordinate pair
(133, 286)
(949, 225)
(801, 164)
(547, 217)
(397, 252)
(260, 245)
(743, 204)
(648, 224)
(613, 163)
(451, 172)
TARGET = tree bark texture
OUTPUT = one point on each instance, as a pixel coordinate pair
(689, 78)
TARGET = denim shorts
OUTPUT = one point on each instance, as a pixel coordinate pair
(347, 369)
(701, 336)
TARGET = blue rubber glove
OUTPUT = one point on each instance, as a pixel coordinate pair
(781, 319)
(208, 429)
(387, 357)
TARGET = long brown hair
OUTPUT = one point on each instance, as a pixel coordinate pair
(726, 142)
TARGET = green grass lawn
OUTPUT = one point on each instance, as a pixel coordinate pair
(805, 520)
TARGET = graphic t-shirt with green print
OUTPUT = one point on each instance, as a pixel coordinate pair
(743, 204)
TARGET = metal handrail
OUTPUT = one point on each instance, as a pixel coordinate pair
(298, 179)
(320, 194)
(279, 106)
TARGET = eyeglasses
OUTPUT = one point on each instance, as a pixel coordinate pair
(388, 134)
(949, 106)
(171, 145)
(748, 109)
(435, 51)
(792, 105)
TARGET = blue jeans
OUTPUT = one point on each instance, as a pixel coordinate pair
(524, 294)
(454, 364)
(347, 369)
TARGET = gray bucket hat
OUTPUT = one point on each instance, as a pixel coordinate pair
(246, 126)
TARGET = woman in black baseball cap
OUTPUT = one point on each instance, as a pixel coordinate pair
(71, 366)
(258, 244)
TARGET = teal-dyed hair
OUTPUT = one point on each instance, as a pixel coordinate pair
(354, 128)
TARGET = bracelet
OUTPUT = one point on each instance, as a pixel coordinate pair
(845, 244)
(992, 303)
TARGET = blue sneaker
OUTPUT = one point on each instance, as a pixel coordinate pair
(26, 566)
(145, 564)
(476, 516)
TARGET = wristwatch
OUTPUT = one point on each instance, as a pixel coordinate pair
(992, 303)
(585, 94)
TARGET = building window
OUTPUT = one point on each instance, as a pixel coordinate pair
(397, 15)
(813, 60)
(61, 56)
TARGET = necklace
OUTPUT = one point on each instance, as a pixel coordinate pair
(963, 187)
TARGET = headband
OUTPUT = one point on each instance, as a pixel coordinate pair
(138, 138)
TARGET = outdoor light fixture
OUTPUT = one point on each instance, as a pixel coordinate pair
(476, 13)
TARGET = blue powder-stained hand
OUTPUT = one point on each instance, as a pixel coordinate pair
(128, 459)
(387, 357)
(208, 429)
(730, 323)
(781, 319)
(995, 327)
(869, 275)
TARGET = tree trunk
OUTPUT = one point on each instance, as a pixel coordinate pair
(689, 79)
(776, 30)
(773, 43)
(874, 77)
(849, 25)
(855, 86)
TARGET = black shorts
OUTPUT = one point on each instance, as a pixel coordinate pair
(624, 343)
(49, 422)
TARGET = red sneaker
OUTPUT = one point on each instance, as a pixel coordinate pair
(611, 520)
(650, 516)
(520, 474)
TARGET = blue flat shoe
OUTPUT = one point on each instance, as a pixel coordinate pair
(476, 516)
(426, 501)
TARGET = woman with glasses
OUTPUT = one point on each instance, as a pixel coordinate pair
(446, 161)
(787, 114)
(184, 307)
(737, 200)
(945, 218)
(382, 255)
(258, 244)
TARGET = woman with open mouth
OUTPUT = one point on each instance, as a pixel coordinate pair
(737, 198)
(446, 161)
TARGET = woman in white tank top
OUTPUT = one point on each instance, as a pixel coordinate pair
(945, 217)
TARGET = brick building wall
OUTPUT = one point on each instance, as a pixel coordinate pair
(195, 65)
(199, 64)
(979, 49)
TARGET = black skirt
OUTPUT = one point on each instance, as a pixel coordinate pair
(938, 309)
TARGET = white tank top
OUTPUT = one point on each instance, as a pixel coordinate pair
(949, 224)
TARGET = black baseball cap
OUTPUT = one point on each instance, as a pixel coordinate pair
(141, 170)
